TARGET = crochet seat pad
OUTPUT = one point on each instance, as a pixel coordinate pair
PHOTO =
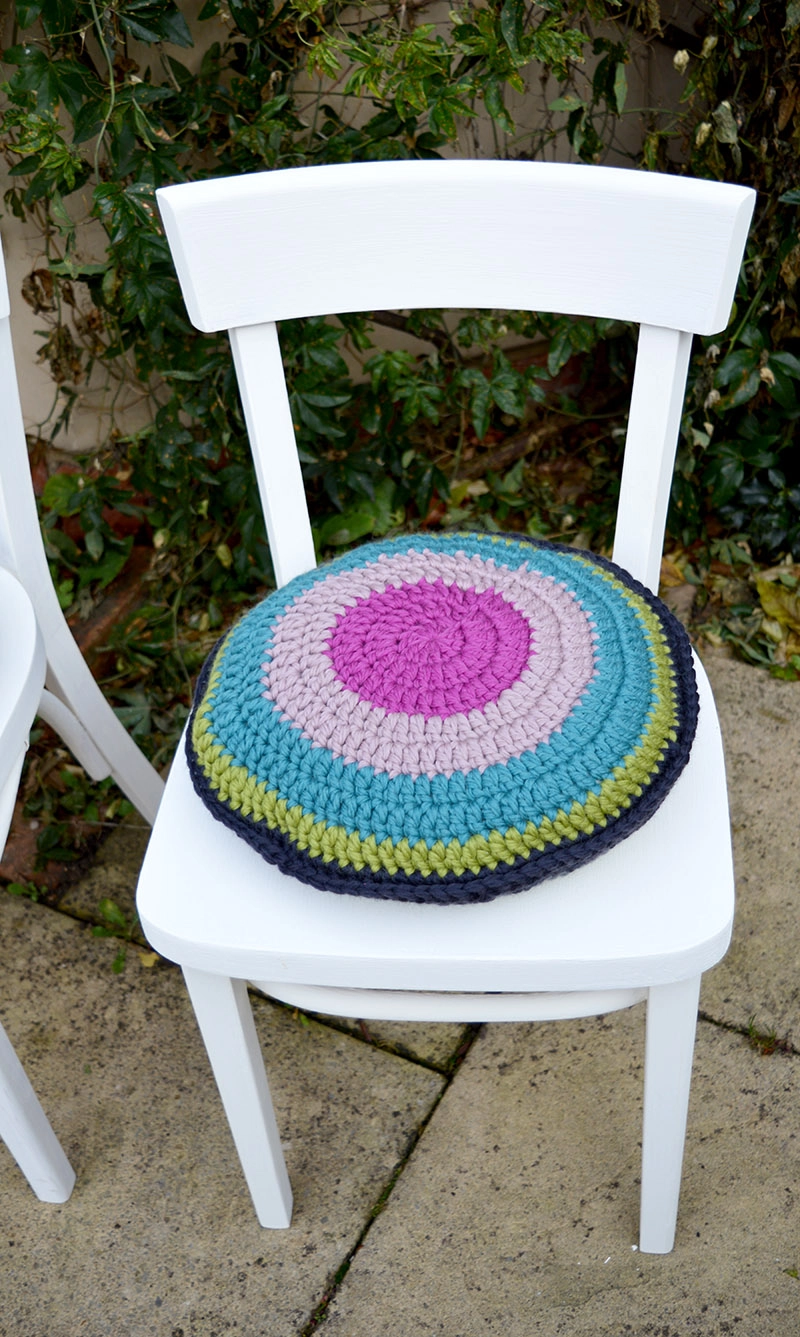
(442, 718)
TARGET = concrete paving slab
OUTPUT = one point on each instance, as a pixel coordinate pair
(517, 1212)
(760, 719)
(159, 1235)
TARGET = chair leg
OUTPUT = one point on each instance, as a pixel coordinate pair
(226, 1023)
(25, 1129)
(671, 1025)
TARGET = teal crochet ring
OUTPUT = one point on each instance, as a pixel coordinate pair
(443, 718)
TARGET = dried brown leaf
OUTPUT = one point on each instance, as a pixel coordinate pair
(780, 603)
(671, 574)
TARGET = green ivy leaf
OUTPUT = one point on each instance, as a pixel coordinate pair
(747, 389)
(508, 390)
(560, 350)
(740, 363)
(480, 400)
(54, 82)
(347, 528)
(787, 361)
(94, 544)
(493, 99)
(569, 102)
(725, 477)
(108, 567)
(27, 12)
(58, 16)
(512, 17)
(154, 22)
(88, 119)
(61, 494)
(244, 18)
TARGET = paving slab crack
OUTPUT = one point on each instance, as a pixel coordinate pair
(471, 1033)
(765, 1041)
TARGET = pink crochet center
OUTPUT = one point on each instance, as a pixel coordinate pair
(430, 648)
(301, 681)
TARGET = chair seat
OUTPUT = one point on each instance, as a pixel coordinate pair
(656, 908)
(443, 718)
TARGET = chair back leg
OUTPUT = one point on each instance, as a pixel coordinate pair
(669, 1050)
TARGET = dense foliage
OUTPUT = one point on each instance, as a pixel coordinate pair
(103, 103)
(100, 109)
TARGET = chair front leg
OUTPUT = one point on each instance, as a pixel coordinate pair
(671, 1026)
(226, 1023)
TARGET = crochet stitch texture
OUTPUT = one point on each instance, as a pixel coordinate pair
(442, 718)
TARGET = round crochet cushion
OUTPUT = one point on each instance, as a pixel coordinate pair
(442, 718)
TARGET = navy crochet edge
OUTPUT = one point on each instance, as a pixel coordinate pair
(526, 871)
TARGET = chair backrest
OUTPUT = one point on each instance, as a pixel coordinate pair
(21, 547)
(661, 251)
(72, 702)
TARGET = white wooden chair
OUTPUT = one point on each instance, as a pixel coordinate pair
(645, 919)
(42, 672)
(71, 702)
(23, 1123)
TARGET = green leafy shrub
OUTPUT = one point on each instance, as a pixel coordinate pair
(739, 467)
(100, 110)
(103, 104)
